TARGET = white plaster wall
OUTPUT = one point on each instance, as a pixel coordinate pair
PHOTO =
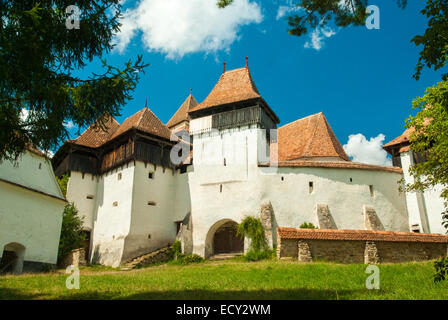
(154, 220)
(112, 223)
(425, 209)
(182, 200)
(31, 219)
(78, 188)
(26, 172)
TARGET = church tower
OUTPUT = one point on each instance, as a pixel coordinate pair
(230, 129)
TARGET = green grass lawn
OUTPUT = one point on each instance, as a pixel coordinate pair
(232, 280)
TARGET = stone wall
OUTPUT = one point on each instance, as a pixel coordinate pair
(359, 246)
(76, 258)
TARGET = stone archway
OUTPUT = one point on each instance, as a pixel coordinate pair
(222, 238)
(12, 258)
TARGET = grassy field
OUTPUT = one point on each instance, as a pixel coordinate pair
(232, 280)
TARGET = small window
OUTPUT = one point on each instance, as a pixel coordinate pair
(183, 169)
(225, 164)
(372, 194)
(115, 204)
(351, 180)
(90, 196)
(283, 178)
(311, 186)
(151, 175)
(119, 176)
(40, 165)
(415, 228)
(149, 236)
(151, 203)
(220, 188)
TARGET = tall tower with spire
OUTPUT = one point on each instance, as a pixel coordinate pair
(229, 128)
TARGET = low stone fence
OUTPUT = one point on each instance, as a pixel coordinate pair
(76, 258)
(359, 246)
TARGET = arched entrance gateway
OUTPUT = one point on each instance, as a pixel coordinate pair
(12, 258)
(222, 238)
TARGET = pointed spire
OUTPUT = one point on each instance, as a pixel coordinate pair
(146, 103)
(224, 67)
(191, 91)
(247, 62)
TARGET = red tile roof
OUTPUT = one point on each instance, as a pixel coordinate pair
(144, 120)
(309, 137)
(333, 164)
(182, 113)
(359, 235)
(94, 136)
(403, 138)
(234, 86)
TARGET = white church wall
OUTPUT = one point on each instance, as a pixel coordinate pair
(31, 218)
(291, 201)
(182, 201)
(152, 222)
(113, 219)
(31, 171)
(82, 190)
(424, 208)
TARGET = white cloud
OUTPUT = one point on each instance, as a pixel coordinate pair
(367, 151)
(284, 10)
(318, 36)
(69, 124)
(179, 27)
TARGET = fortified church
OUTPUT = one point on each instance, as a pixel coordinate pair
(135, 199)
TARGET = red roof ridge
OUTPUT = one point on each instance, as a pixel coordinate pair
(364, 235)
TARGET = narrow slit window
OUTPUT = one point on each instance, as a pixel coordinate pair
(225, 164)
(90, 196)
(119, 176)
(151, 175)
(311, 186)
(372, 193)
(151, 203)
(220, 188)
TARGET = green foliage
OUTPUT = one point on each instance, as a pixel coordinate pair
(434, 41)
(178, 258)
(251, 227)
(430, 140)
(441, 267)
(253, 255)
(63, 181)
(307, 225)
(71, 232)
(40, 60)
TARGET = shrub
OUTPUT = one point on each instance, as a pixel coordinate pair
(307, 225)
(253, 255)
(72, 236)
(251, 227)
(177, 257)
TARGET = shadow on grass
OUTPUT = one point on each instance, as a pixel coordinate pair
(274, 294)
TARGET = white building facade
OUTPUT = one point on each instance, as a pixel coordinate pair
(31, 211)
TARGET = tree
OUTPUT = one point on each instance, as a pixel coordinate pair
(63, 181)
(39, 60)
(344, 13)
(72, 236)
(430, 139)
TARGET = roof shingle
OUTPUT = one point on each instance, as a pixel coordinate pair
(94, 136)
(309, 137)
(182, 113)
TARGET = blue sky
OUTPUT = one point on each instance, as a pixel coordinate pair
(360, 79)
